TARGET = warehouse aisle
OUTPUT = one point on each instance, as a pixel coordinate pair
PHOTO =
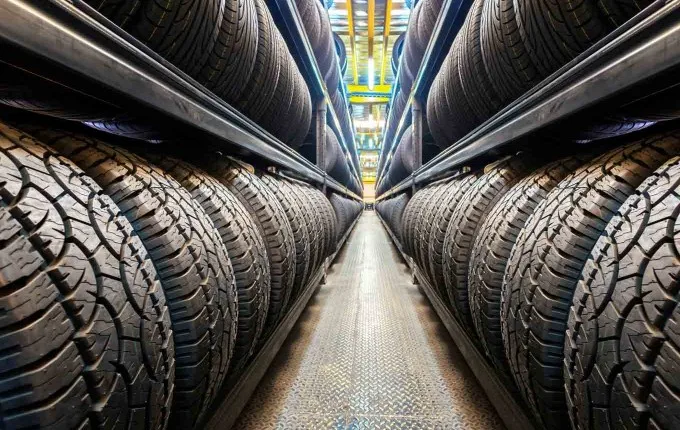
(368, 353)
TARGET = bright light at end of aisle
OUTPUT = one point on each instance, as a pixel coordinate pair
(371, 73)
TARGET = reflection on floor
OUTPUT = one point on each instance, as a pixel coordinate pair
(369, 353)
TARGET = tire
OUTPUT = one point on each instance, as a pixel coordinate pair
(465, 222)
(424, 229)
(548, 258)
(300, 127)
(332, 227)
(231, 61)
(265, 76)
(183, 32)
(556, 31)
(456, 116)
(315, 227)
(408, 218)
(421, 219)
(616, 12)
(131, 127)
(492, 247)
(298, 226)
(629, 279)
(477, 86)
(82, 305)
(188, 254)
(244, 246)
(340, 209)
(272, 225)
(24, 91)
(506, 60)
(274, 117)
(450, 197)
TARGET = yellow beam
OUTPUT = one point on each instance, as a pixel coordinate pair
(352, 42)
(365, 100)
(371, 38)
(386, 36)
(351, 88)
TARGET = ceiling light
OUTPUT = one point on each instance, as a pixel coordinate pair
(371, 73)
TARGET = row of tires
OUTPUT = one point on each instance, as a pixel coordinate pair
(317, 26)
(335, 163)
(232, 47)
(565, 272)
(416, 38)
(506, 47)
(135, 284)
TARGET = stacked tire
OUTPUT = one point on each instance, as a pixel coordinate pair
(138, 284)
(232, 47)
(391, 211)
(564, 272)
(346, 212)
(323, 41)
(505, 48)
(416, 38)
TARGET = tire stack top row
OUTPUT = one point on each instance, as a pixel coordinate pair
(138, 282)
(505, 48)
(318, 28)
(564, 273)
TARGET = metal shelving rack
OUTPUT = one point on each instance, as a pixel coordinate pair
(450, 20)
(71, 36)
(286, 13)
(645, 47)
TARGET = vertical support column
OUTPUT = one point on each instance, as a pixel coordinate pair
(417, 130)
(320, 133)
(320, 118)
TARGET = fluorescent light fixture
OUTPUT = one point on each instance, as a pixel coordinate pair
(371, 73)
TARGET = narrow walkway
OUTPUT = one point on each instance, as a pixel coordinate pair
(369, 353)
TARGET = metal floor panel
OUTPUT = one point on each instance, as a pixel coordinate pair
(369, 353)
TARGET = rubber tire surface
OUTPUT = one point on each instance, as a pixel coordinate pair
(450, 197)
(181, 31)
(466, 220)
(188, 254)
(315, 226)
(507, 62)
(624, 375)
(548, 258)
(82, 307)
(265, 75)
(556, 31)
(330, 220)
(298, 226)
(272, 225)
(231, 61)
(492, 247)
(244, 246)
(478, 88)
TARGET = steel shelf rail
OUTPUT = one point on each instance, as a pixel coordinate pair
(449, 22)
(510, 411)
(645, 47)
(237, 392)
(285, 12)
(72, 36)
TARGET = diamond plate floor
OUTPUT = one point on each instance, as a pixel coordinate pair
(369, 353)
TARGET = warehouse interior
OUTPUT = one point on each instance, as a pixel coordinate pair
(340, 214)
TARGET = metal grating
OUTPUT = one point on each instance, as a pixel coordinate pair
(369, 353)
